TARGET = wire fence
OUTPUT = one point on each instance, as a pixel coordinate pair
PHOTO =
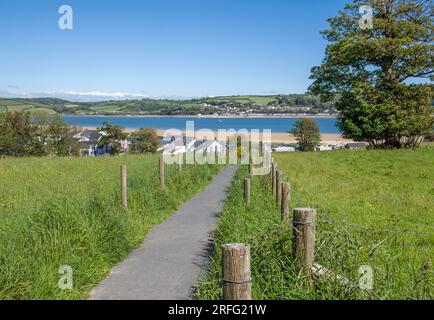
(370, 228)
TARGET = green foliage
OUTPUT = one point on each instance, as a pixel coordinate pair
(66, 211)
(145, 140)
(307, 133)
(374, 208)
(275, 104)
(112, 138)
(37, 134)
(370, 70)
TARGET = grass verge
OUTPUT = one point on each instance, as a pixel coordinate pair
(375, 208)
(56, 212)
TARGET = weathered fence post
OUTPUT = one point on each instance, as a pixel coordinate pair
(162, 171)
(247, 191)
(180, 161)
(124, 194)
(194, 150)
(285, 202)
(250, 169)
(237, 282)
(216, 153)
(274, 173)
(278, 187)
(304, 239)
(250, 150)
(228, 151)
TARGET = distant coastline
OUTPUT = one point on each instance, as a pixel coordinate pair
(278, 125)
(276, 137)
(251, 116)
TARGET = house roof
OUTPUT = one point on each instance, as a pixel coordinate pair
(207, 143)
(91, 134)
(89, 137)
(190, 144)
(356, 145)
(197, 144)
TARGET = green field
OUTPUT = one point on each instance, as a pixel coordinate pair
(105, 108)
(375, 208)
(292, 103)
(42, 110)
(24, 105)
(66, 211)
(257, 100)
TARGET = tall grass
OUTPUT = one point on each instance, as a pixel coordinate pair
(375, 208)
(56, 212)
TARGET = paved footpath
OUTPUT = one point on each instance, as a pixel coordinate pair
(174, 255)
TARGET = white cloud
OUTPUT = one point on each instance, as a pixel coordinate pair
(119, 95)
(85, 96)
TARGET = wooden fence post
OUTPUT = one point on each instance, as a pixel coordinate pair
(162, 171)
(216, 154)
(304, 239)
(274, 172)
(247, 192)
(124, 194)
(180, 161)
(250, 169)
(285, 202)
(250, 150)
(278, 187)
(237, 282)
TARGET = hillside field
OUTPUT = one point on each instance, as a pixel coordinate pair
(280, 104)
(374, 208)
(66, 211)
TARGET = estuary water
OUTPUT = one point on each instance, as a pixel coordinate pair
(276, 125)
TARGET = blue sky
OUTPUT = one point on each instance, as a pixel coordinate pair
(179, 48)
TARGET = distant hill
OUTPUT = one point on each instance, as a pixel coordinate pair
(33, 105)
(230, 105)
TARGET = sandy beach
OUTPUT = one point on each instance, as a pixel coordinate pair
(277, 137)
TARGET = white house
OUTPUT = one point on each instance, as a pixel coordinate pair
(187, 144)
(324, 148)
(284, 149)
(88, 141)
(211, 146)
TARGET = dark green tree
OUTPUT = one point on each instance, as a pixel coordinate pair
(145, 140)
(307, 134)
(112, 138)
(24, 134)
(16, 134)
(371, 65)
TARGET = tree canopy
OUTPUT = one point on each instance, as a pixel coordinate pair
(145, 140)
(24, 134)
(374, 72)
(307, 133)
(112, 138)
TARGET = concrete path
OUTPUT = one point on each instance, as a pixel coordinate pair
(174, 255)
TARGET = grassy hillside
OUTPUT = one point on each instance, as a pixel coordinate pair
(375, 208)
(33, 105)
(295, 103)
(56, 212)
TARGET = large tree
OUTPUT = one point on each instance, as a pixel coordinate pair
(112, 138)
(39, 134)
(145, 140)
(307, 134)
(372, 67)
